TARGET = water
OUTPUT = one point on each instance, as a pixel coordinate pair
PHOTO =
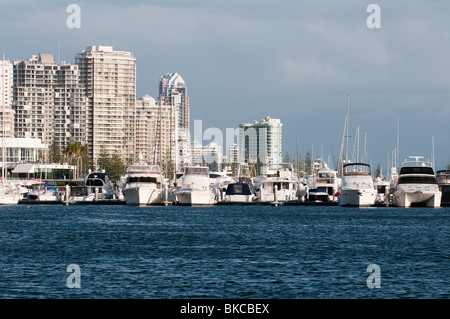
(220, 252)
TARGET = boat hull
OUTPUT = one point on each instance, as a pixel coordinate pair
(196, 197)
(9, 199)
(417, 196)
(143, 196)
(357, 197)
(238, 198)
(281, 196)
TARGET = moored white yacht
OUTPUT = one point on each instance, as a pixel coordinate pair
(417, 185)
(357, 188)
(144, 185)
(443, 179)
(240, 192)
(382, 187)
(279, 184)
(325, 185)
(99, 184)
(196, 187)
(43, 192)
(9, 195)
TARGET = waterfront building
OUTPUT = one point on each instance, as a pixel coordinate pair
(109, 78)
(48, 101)
(261, 142)
(43, 172)
(6, 94)
(21, 150)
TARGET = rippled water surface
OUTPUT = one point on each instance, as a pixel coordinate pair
(247, 252)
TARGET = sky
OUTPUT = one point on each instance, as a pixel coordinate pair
(244, 60)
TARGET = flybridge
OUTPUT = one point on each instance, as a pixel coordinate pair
(416, 161)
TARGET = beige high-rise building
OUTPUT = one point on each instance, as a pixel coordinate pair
(48, 101)
(109, 78)
(6, 90)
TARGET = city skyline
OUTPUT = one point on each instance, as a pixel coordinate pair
(247, 60)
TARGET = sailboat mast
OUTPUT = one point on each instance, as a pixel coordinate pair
(3, 118)
(344, 134)
(347, 125)
(397, 159)
(365, 147)
(298, 171)
(432, 141)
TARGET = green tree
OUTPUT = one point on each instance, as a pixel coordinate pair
(287, 158)
(116, 167)
(448, 165)
(104, 159)
(55, 155)
(168, 167)
(378, 171)
(308, 163)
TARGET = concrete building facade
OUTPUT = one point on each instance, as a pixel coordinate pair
(48, 101)
(109, 78)
(261, 142)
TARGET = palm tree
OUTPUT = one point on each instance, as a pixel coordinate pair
(74, 152)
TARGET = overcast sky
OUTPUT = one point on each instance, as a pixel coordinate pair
(243, 60)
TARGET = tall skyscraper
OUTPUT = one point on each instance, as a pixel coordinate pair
(173, 93)
(261, 142)
(6, 90)
(109, 78)
(49, 101)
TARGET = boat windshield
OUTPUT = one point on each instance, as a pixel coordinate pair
(417, 180)
(96, 179)
(142, 179)
(416, 170)
(356, 169)
(199, 171)
(238, 189)
(443, 177)
(144, 169)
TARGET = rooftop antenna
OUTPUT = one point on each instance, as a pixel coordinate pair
(59, 54)
(417, 158)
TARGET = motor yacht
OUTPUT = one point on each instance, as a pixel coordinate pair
(196, 187)
(417, 185)
(443, 179)
(279, 184)
(357, 188)
(144, 185)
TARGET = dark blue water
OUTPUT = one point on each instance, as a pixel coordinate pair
(223, 252)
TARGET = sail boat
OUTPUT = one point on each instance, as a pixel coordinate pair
(357, 188)
(9, 195)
